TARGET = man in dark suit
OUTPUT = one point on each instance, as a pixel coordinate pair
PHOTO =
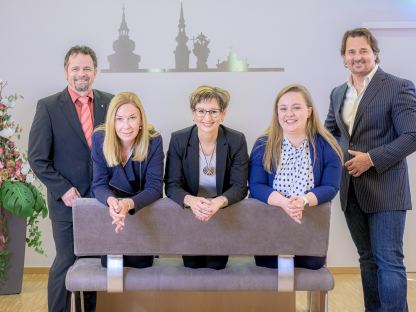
(373, 115)
(59, 154)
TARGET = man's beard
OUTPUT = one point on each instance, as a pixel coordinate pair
(82, 85)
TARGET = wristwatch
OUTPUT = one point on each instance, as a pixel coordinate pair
(305, 202)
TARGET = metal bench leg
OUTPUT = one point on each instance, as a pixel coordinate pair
(115, 273)
(317, 301)
(73, 306)
(81, 295)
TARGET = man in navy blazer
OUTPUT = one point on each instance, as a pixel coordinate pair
(373, 115)
(59, 154)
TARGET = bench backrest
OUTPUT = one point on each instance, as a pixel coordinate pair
(248, 227)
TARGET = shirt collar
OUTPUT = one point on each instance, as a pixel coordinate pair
(367, 78)
(75, 96)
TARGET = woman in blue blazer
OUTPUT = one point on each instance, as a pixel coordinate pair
(296, 164)
(207, 165)
(127, 156)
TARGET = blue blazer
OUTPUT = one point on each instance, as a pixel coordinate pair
(385, 127)
(182, 164)
(326, 171)
(141, 181)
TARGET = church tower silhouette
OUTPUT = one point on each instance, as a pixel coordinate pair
(182, 52)
(124, 60)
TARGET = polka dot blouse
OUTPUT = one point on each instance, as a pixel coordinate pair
(294, 175)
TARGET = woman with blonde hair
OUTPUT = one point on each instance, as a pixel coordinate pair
(127, 155)
(295, 164)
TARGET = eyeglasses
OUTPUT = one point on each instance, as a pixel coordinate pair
(201, 112)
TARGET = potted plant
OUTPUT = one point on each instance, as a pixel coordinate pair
(21, 200)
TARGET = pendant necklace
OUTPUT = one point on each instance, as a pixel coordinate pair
(208, 169)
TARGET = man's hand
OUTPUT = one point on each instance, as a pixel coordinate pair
(70, 195)
(359, 164)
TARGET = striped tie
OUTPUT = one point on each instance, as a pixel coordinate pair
(86, 119)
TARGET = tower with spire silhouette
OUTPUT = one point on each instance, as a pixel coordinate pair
(182, 52)
(124, 60)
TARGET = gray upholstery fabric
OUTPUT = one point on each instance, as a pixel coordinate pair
(170, 274)
(164, 228)
(248, 227)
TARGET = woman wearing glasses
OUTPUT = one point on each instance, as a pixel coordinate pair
(207, 164)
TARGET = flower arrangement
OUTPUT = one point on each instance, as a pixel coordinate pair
(20, 191)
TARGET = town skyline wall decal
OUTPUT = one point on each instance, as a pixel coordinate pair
(124, 60)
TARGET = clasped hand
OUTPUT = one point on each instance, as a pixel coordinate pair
(118, 209)
(294, 207)
(204, 208)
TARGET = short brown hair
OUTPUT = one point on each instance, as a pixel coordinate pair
(83, 50)
(361, 32)
(206, 93)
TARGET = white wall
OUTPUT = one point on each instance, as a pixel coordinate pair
(301, 36)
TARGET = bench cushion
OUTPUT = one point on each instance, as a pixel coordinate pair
(241, 274)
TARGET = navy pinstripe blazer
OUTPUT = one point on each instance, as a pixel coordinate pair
(385, 127)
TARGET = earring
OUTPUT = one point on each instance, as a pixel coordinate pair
(140, 128)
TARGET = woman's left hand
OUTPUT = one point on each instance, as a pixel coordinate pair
(296, 206)
(214, 205)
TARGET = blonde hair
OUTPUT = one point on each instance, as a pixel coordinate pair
(314, 126)
(112, 145)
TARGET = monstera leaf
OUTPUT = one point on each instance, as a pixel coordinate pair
(40, 205)
(17, 197)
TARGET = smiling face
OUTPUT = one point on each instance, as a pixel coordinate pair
(359, 56)
(293, 113)
(127, 123)
(80, 73)
(208, 116)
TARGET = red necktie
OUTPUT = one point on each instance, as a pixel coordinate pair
(86, 119)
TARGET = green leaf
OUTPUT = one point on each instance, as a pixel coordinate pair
(17, 197)
(40, 204)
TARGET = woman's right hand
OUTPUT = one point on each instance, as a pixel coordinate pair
(117, 213)
(199, 206)
(292, 209)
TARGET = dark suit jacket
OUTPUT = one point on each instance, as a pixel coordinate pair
(140, 181)
(385, 127)
(58, 151)
(182, 165)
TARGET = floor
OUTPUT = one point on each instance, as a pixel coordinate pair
(346, 297)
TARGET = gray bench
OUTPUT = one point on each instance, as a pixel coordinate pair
(164, 228)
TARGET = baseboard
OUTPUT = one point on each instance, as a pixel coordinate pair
(344, 270)
(36, 270)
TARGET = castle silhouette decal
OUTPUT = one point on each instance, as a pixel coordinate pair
(124, 60)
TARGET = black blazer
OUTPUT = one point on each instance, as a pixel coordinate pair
(385, 127)
(58, 151)
(182, 164)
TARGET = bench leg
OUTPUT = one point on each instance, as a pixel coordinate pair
(81, 296)
(317, 301)
(73, 306)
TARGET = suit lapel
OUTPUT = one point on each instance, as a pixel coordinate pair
(193, 160)
(340, 98)
(70, 113)
(221, 159)
(368, 96)
(99, 109)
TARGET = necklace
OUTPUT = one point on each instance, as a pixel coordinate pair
(208, 169)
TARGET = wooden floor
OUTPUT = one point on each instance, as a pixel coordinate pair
(346, 297)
